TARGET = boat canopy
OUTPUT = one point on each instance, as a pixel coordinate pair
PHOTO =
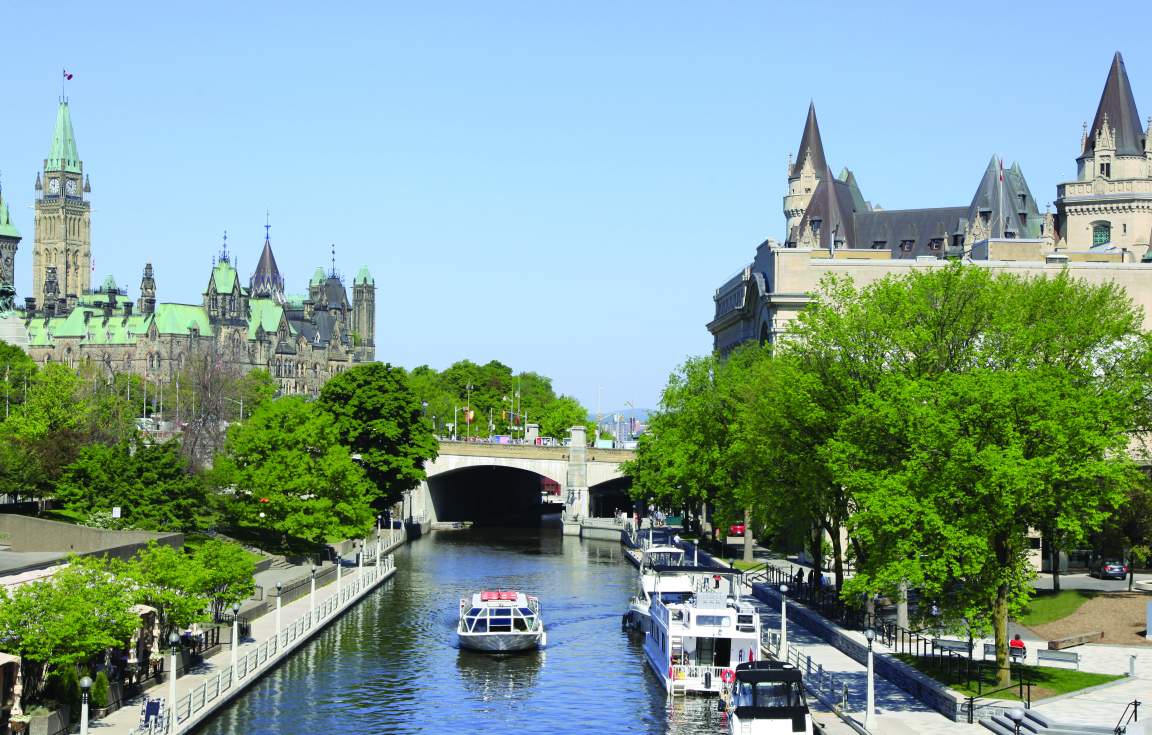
(492, 595)
(756, 672)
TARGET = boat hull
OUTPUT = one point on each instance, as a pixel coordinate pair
(501, 642)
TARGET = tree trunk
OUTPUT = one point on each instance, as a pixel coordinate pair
(1053, 560)
(748, 534)
(837, 554)
(1000, 628)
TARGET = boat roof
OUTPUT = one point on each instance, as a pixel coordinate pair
(498, 598)
(767, 671)
(663, 549)
(688, 568)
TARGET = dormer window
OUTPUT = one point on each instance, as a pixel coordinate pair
(879, 244)
(957, 241)
(906, 245)
(936, 243)
(1106, 169)
(815, 226)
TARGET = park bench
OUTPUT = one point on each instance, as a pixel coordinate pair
(1016, 654)
(945, 644)
(1064, 657)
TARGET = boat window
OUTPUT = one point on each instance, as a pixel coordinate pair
(526, 612)
(500, 625)
(720, 621)
(475, 612)
(776, 694)
(476, 625)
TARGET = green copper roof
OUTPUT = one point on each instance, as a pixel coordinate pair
(225, 277)
(318, 278)
(177, 318)
(7, 229)
(63, 156)
(295, 300)
(110, 284)
(363, 276)
(265, 313)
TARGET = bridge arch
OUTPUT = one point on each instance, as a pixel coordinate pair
(608, 497)
(493, 495)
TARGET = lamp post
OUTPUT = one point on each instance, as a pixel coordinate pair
(1017, 716)
(870, 699)
(173, 717)
(85, 685)
(235, 637)
(360, 546)
(279, 591)
(339, 579)
(312, 598)
(784, 623)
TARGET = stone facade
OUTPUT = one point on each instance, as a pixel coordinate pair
(1101, 229)
(301, 340)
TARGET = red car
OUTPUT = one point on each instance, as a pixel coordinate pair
(736, 529)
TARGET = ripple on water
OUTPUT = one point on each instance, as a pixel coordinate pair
(392, 665)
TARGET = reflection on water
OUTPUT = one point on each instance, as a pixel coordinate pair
(392, 664)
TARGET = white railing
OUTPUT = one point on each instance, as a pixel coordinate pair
(273, 647)
(695, 674)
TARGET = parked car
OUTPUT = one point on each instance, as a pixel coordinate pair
(736, 529)
(1109, 569)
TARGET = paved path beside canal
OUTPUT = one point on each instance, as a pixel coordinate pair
(212, 684)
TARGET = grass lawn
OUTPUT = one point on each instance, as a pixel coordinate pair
(746, 565)
(194, 540)
(1046, 607)
(1047, 681)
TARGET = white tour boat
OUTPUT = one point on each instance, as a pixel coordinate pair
(501, 621)
(695, 641)
(768, 699)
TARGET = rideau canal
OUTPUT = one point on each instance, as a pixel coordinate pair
(391, 665)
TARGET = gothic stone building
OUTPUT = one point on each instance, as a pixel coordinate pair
(1101, 229)
(301, 340)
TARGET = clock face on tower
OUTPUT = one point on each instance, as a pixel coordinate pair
(53, 186)
(70, 187)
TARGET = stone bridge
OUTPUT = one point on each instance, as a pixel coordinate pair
(509, 483)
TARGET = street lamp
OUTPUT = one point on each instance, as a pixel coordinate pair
(235, 637)
(85, 685)
(279, 591)
(312, 598)
(870, 700)
(238, 402)
(173, 716)
(784, 623)
(1017, 716)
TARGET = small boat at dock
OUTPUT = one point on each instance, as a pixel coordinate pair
(767, 699)
(500, 621)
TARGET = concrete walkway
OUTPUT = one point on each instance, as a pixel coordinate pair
(214, 683)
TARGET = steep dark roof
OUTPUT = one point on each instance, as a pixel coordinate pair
(333, 293)
(832, 206)
(888, 229)
(1119, 105)
(999, 204)
(810, 143)
(266, 281)
(858, 201)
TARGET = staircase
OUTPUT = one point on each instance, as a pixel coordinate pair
(1037, 724)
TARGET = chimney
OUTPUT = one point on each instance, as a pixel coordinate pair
(30, 306)
(127, 308)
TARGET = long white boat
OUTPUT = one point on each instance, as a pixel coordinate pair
(768, 699)
(696, 640)
(661, 570)
(501, 620)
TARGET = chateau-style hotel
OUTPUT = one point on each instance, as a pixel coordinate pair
(1101, 229)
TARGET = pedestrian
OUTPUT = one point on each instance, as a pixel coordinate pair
(1016, 647)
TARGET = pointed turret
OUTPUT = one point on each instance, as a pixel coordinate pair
(63, 156)
(1003, 206)
(811, 145)
(1117, 108)
(828, 220)
(7, 229)
(266, 282)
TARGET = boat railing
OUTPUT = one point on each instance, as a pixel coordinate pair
(696, 673)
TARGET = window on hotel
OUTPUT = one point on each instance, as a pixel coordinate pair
(1101, 233)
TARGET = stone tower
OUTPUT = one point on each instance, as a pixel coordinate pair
(147, 302)
(63, 218)
(266, 281)
(9, 239)
(1110, 202)
(803, 174)
(364, 307)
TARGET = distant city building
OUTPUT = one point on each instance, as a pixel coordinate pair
(1101, 228)
(302, 340)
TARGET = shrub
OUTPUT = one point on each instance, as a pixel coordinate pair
(100, 689)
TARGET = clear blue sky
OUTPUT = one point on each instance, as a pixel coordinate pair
(559, 186)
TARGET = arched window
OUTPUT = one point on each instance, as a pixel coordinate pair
(1101, 233)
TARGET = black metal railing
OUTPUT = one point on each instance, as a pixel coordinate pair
(1131, 714)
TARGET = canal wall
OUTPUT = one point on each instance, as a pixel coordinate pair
(272, 639)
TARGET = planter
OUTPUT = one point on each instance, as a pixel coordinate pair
(97, 713)
(49, 724)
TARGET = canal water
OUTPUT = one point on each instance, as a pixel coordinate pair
(392, 665)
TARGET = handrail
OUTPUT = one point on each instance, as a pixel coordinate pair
(225, 679)
(1126, 718)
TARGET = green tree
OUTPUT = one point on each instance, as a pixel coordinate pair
(253, 389)
(58, 623)
(17, 370)
(289, 472)
(223, 572)
(172, 582)
(379, 418)
(561, 415)
(148, 482)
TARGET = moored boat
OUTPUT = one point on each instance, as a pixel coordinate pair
(767, 698)
(501, 620)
